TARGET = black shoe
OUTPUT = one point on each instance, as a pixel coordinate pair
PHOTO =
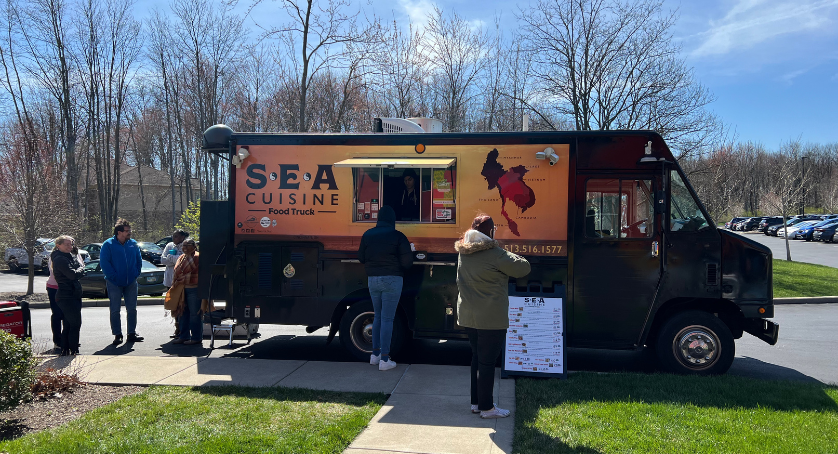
(135, 338)
(65, 352)
(117, 339)
(176, 334)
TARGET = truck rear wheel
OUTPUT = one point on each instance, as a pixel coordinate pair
(695, 343)
(356, 331)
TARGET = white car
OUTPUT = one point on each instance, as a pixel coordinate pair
(791, 230)
(17, 258)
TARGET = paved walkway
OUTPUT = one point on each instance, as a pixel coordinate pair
(427, 412)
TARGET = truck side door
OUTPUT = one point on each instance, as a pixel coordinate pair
(616, 262)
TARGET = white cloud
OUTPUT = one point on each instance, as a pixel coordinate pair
(749, 23)
(790, 76)
(417, 11)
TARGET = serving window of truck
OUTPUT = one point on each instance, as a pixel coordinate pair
(420, 190)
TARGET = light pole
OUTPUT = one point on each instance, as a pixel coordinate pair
(803, 184)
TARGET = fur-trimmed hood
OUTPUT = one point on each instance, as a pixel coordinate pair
(477, 246)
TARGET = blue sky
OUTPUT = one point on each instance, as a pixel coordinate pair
(771, 64)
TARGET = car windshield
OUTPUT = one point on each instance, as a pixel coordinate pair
(148, 266)
(150, 247)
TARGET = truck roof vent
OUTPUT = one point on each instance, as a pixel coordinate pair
(265, 270)
(712, 274)
(297, 257)
(396, 125)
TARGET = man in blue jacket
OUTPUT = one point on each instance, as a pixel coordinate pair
(121, 262)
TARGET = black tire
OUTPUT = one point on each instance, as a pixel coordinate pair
(356, 331)
(689, 334)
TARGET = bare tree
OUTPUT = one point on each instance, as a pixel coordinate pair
(458, 52)
(319, 37)
(787, 184)
(612, 64)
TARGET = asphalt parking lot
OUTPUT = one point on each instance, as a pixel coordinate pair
(815, 252)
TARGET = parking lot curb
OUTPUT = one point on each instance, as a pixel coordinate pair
(808, 300)
(101, 303)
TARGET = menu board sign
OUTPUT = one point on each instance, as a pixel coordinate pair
(535, 338)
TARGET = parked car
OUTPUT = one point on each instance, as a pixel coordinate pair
(17, 259)
(825, 233)
(808, 233)
(791, 222)
(162, 242)
(150, 251)
(150, 281)
(805, 231)
(768, 222)
(752, 223)
(92, 249)
(729, 225)
(792, 230)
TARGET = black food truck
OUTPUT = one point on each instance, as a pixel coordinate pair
(608, 216)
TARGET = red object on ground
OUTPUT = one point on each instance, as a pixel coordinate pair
(14, 318)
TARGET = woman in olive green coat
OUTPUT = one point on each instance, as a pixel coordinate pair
(483, 272)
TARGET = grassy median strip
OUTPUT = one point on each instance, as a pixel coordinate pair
(213, 420)
(633, 413)
(795, 279)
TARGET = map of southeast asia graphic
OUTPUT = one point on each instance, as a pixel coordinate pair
(511, 186)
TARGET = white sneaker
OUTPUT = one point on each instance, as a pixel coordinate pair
(375, 359)
(387, 365)
(476, 409)
(494, 413)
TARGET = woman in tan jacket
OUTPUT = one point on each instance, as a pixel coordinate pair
(483, 272)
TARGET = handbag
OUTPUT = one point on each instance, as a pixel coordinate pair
(173, 297)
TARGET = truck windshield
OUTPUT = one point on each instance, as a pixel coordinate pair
(684, 214)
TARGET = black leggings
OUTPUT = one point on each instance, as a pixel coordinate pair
(486, 346)
(71, 307)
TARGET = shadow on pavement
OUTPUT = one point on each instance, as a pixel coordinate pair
(754, 368)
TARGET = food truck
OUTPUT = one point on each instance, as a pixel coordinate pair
(607, 217)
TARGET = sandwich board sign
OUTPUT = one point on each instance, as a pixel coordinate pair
(535, 338)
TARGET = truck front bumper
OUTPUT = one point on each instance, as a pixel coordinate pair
(765, 330)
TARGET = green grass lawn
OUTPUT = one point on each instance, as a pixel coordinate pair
(212, 420)
(632, 413)
(804, 279)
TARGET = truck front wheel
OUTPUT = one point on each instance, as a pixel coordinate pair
(695, 343)
(356, 331)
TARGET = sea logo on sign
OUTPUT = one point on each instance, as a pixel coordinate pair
(265, 222)
(250, 219)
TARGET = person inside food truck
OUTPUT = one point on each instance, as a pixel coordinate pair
(408, 204)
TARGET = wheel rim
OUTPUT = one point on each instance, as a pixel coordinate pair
(697, 347)
(361, 330)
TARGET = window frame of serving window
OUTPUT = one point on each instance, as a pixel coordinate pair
(375, 180)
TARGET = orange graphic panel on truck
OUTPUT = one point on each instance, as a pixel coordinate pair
(296, 193)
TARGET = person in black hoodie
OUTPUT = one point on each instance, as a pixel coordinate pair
(385, 253)
(67, 271)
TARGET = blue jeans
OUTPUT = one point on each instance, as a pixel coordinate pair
(190, 319)
(385, 292)
(116, 294)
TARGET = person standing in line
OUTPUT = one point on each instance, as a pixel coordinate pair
(171, 253)
(121, 262)
(483, 272)
(68, 269)
(189, 312)
(57, 316)
(385, 253)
